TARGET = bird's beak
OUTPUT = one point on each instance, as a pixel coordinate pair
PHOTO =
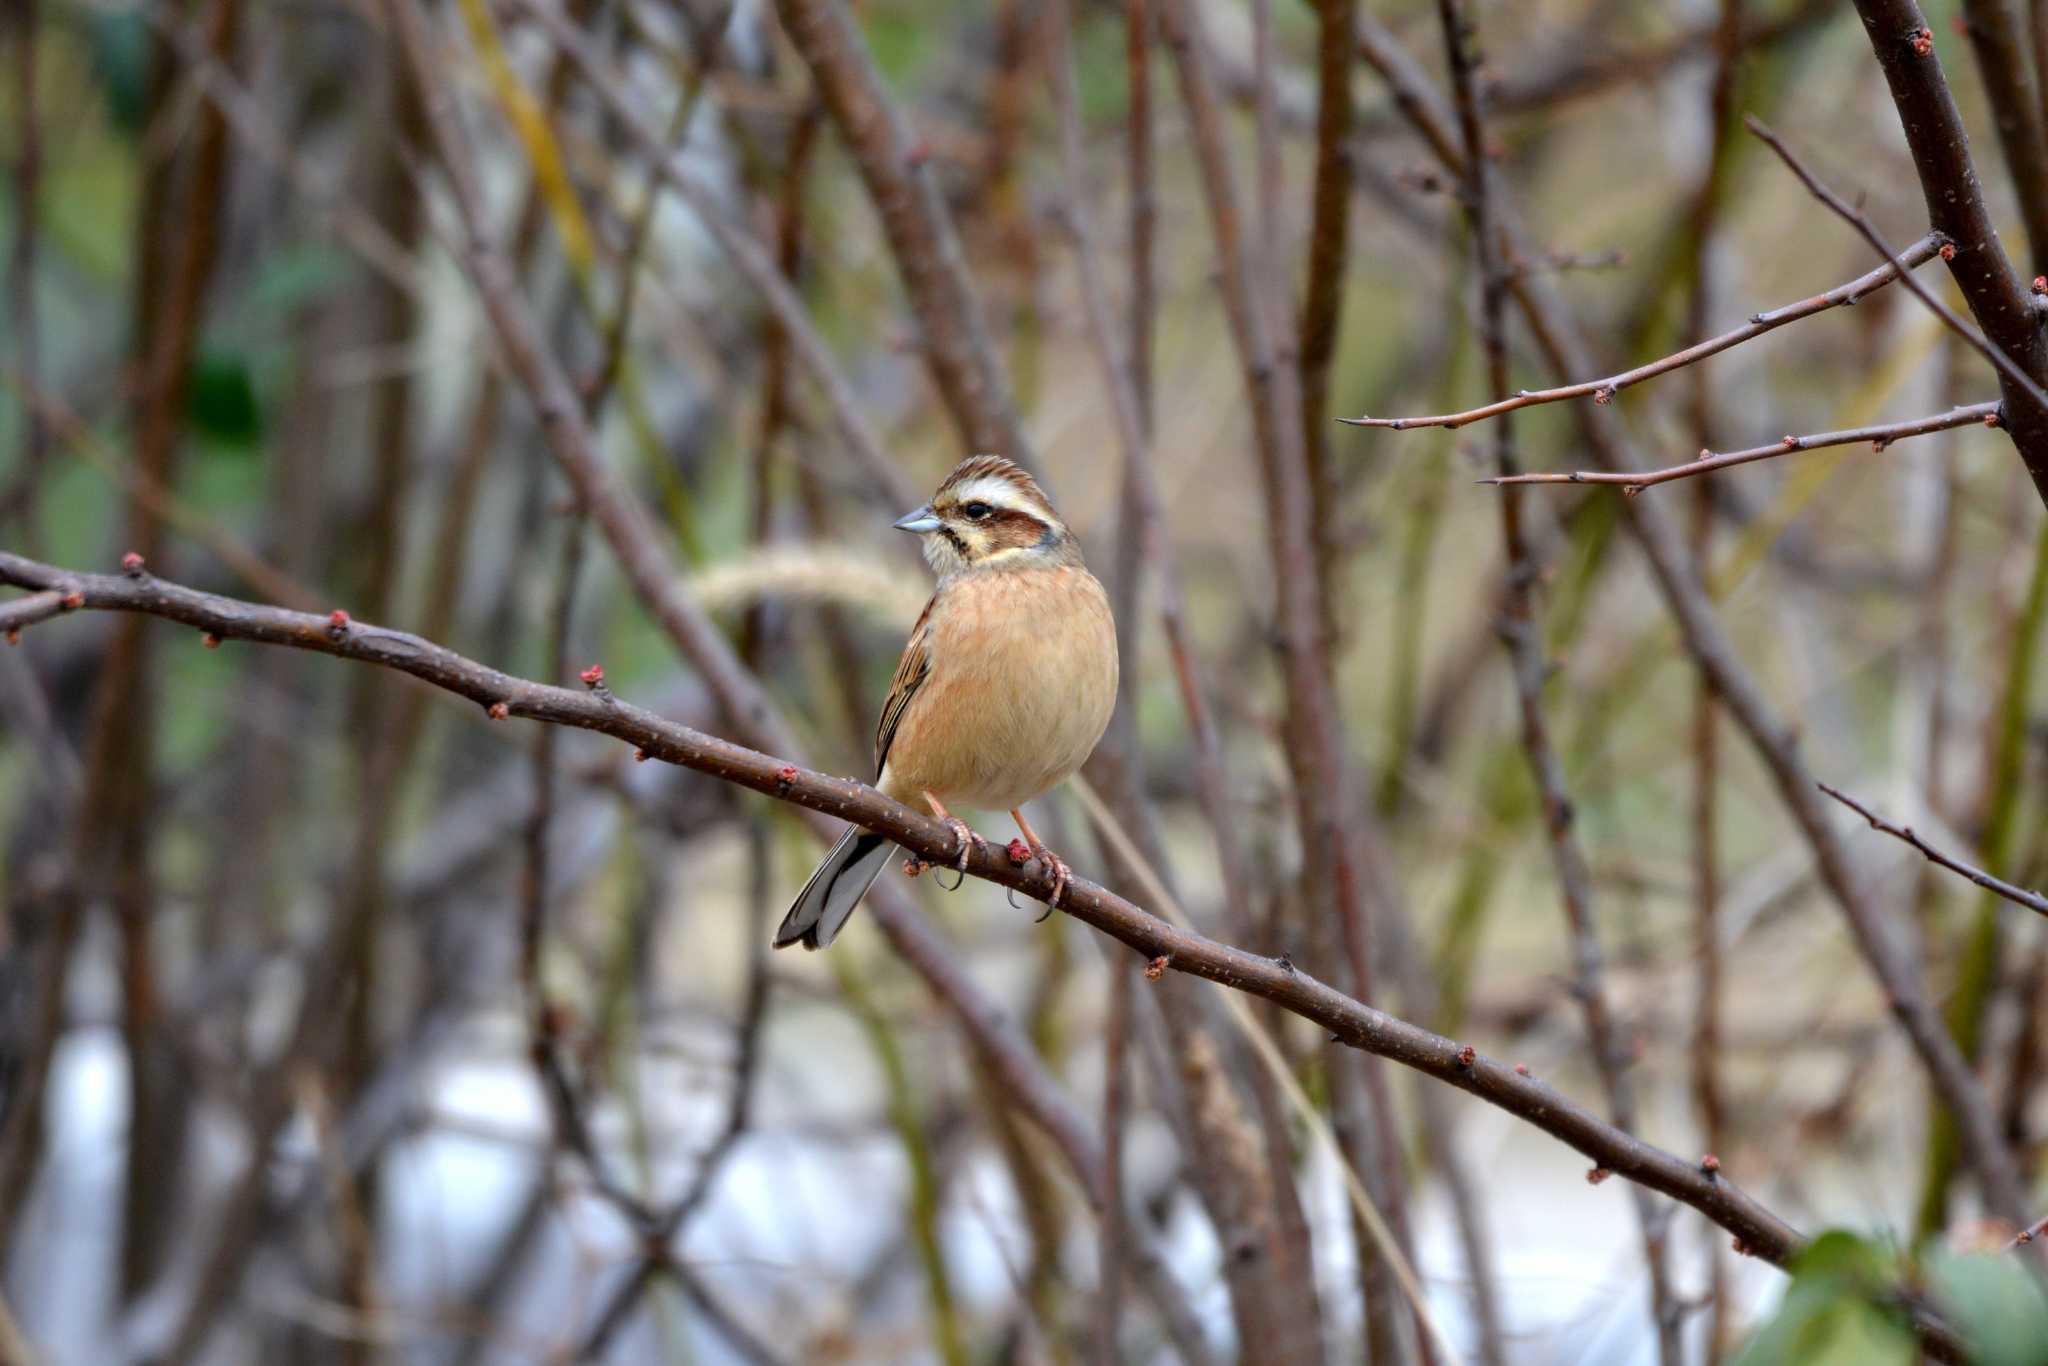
(920, 521)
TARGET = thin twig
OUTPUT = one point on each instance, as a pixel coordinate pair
(1708, 1086)
(640, 232)
(1565, 348)
(2028, 1234)
(1603, 390)
(1271, 1293)
(1341, 846)
(1856, 218)
(739, 242)
(919, 228)
(1879, 436)
(1585, 67)
(258, 129)
(2019, 896)
(1905, 48)
(24, 612)
(1521, 638)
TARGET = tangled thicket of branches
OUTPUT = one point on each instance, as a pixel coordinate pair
(478, 341)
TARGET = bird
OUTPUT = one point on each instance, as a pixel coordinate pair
(1006, 684)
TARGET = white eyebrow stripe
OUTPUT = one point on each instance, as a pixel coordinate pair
(999, 493)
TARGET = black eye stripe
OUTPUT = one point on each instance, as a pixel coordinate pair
(977, 510)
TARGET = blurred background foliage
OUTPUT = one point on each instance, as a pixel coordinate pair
(341, 424)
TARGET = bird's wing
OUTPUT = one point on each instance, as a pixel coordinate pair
(911, 672)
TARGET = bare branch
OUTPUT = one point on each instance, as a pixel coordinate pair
(914, 217)
(2019, 896)
(1994, 33)
(739, 243)
(2006, 366)
(1905, 49)
(1565, 347)
(1604, 390)
(598, 709)
(23, 612)
(1521, 637)
(1879, 436)
(2028, 1234)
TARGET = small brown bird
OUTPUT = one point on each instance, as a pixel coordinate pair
(1006, 684)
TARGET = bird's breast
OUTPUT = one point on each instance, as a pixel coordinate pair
(1023, 680)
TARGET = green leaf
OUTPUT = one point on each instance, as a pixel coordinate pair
(119, 39)
(1831, 1327)
(220, 397)
(1995, 1303)
(1830, 1316)
(1839, 1254)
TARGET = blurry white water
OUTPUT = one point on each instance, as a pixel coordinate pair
(796, 1219)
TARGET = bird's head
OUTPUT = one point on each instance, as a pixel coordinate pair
(990, 514)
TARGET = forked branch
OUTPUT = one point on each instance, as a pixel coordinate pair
(2008, 368)
(1604, 390)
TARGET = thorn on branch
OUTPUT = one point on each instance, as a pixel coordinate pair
(1156, 969)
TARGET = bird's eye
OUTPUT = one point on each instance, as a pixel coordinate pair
(977, 510)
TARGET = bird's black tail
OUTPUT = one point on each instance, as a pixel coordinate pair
(834, 890)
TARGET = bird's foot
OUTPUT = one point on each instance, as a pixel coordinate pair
(1061, 875)
(966, 841)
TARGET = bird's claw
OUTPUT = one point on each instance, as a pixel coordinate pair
(966, 839)
(1061, 875)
